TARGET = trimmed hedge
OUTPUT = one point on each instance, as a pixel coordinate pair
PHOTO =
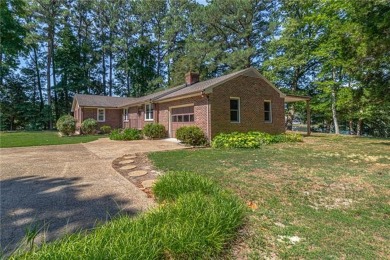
(252, 139)
(88, 126)
(191, 135)
(127, 134)
(66, 124)
(154, 131)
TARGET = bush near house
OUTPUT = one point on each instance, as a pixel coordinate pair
(154, 131)
(88, 126)
(252, 139)
(127, 134)
(196, 222)
(191, 135)
(106, 129)
(66, 124)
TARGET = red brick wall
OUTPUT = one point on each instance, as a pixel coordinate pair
(200, 111)
(113, 117)
(136, 117)
(252, 93)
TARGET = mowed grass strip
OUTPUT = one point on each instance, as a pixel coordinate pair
(39, 138)
(327, 197)
(189, 224)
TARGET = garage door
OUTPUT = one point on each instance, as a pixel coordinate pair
(181, 116)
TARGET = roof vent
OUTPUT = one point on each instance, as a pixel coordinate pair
(192, 78)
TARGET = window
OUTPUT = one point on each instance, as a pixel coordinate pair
(267, 111)
(125, 114)
(149, 112)
(183, 114)
(101, 115)
(235, 110)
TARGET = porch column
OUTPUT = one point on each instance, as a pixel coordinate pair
(308, 119)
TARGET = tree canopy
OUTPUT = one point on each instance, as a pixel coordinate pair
(336, 51)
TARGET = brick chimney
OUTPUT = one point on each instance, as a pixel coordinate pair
(192, 78)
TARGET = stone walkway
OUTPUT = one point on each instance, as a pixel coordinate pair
(138, 170)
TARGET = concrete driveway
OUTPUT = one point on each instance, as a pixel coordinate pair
(63, 188)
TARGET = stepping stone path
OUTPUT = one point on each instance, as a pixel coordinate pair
(137, 173)
(138, 170)
(128, 167)
(126, 161)
(148, 183)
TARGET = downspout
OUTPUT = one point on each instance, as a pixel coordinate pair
(208, 116)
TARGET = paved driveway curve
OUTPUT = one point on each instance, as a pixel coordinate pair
(63, 188)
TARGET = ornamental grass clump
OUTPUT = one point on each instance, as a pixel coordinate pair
(196, 222)
(251, 139)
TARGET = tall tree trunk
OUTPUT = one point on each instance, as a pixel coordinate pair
(110, 93)
(351, 132)
(48, 80)
(38, 75)
(359, 129)
(104, 71)
(1, 66)
(333, 100)
(55, 85)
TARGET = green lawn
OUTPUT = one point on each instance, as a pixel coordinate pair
(327, 197)
(20, 139)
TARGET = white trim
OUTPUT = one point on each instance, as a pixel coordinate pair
(104, 114)
(145, 112)
(270, 111)
(186, 105)
(125, 115)
(239, 110)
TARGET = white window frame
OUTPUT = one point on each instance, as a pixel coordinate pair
(270, 111)
(126, 114)
(147, 118)
(104, 115)
(238, 110)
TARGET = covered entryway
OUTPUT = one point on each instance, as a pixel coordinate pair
(180, 116)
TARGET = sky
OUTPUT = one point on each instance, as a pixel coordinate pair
(203, 2)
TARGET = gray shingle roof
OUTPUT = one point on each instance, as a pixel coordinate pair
(175, 92)
(100, 101)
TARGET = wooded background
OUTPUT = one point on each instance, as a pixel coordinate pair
(336, 51)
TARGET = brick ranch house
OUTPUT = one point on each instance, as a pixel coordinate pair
(241, 101)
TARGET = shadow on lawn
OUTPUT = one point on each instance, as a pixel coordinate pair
(52, 205)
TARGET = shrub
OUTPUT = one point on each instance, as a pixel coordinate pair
(191, 135)
(66, 124)
(131, 134)
(251, 139)
(127, 134)
(88, 126)
(154, 131)
(106, 129)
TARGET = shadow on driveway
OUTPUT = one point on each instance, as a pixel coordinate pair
(53, 205)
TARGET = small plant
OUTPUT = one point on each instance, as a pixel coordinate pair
(66, 124)
(191, 135)
(106, 129)
(131, 134)
(251, 139)
(88, 126)
(154, 131)
(127, 134)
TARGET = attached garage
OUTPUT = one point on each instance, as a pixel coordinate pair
(181, 116)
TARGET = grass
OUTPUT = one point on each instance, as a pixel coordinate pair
(327, 197)
(22, 139)
(191, 223)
